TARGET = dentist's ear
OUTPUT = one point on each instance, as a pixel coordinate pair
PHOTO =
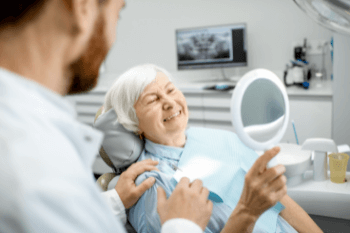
(78, 21)
(84, 14)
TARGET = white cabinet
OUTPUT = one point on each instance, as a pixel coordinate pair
(312, 116)
(87, 105)
(209, 109)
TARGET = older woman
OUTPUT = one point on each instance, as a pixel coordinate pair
(148, 103)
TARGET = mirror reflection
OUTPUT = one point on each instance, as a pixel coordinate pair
(262, 110)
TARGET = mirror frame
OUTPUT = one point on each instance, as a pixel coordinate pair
(236, 103)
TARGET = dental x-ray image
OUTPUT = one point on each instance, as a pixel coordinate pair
(211, 47)
(206, 45)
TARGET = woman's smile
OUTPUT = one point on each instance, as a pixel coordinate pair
(172, 116)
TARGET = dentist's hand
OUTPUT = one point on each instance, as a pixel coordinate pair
(263, 188)
(126, 188)
(188, 201)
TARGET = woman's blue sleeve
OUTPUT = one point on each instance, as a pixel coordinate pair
(143, 216)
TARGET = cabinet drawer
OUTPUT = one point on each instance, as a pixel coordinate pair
(217, 102)
(89, 99)
(86, 119)
(194, 101)
(217, 115)
(87, 109)
(195, 123)
(196, 114)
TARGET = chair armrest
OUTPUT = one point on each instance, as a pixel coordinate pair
(104, 180)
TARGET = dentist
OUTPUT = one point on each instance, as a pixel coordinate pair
(48, 49)
(51, 48)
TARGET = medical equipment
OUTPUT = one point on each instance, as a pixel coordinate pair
(295, 132)
(212, 47)
(120, 148)
(332, 14)
(296, 161)
(320, 146)
(220, 87)
(299, 74)
(299, 71)
(116, 136)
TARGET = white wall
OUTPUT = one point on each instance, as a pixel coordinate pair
(341, 91)
(146, 33)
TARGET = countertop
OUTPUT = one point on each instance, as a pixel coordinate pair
(323, 88)
(323, 198)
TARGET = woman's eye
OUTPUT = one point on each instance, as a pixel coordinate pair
(171, 90)
(152, 100)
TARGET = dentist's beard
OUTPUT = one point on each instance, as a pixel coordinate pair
(85, 71)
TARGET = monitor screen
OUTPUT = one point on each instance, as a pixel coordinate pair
(210, 47)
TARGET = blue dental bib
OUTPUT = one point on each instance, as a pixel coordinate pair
(221, 160)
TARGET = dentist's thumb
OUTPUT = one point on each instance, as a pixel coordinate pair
(145, 185)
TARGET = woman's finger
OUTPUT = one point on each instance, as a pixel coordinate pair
(272, 173)
(260, 164)
(278, 183)
(281, 193)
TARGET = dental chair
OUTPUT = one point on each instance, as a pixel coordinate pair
(120, 148)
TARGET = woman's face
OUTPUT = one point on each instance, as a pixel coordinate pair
(162, 111)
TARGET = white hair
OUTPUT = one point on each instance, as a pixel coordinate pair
(127, 89)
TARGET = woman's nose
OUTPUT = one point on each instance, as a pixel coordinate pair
(169, 103)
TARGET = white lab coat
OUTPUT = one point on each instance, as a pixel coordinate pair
(46, 181)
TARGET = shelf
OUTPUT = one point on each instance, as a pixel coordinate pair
(323, 88)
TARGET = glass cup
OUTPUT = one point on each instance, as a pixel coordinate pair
(337, 165)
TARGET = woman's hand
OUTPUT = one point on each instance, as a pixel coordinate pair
(126, 188)
(188, 201)
(263, 188)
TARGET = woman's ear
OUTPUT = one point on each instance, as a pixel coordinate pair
(140, 133)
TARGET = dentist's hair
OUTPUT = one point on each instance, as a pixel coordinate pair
(127, 89)
(18, 13)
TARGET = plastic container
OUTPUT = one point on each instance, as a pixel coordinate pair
(337, 166)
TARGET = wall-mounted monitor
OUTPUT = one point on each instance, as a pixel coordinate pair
(210, 47)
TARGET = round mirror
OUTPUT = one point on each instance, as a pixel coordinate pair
(260, 110)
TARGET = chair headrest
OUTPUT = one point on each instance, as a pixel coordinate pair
(120, 147)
